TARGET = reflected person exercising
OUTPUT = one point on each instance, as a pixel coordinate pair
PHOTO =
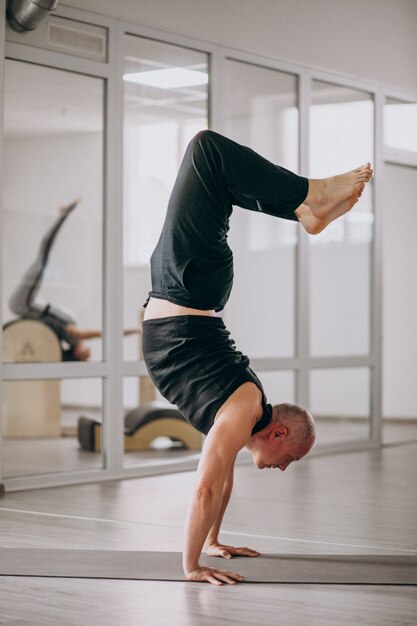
(187, 349)
(24, 302)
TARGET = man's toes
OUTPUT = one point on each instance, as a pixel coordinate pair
(364, 170)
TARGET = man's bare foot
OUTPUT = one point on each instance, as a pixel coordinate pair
(312, 225)
(336, 195)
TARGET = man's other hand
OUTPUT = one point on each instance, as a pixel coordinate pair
(226, 552)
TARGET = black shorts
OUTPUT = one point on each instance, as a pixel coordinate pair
(194, 363)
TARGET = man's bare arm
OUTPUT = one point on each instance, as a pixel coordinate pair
(228, 435)
(213, 545)
(213, 535)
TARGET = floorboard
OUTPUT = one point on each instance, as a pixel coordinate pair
(351, 503)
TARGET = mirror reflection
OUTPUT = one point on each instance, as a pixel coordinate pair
(44, 424)
(261, 111)
(400, 124)
(341, 139)
(342, 413)
(52, 198)
(154, 429)
(165, 105)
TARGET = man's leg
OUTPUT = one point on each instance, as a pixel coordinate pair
(217, 171)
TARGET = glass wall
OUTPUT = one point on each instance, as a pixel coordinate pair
(165, 105)
(279, 385)
(56, 293)
(261, 111)
(340, 403)
(399, 303)
(51, 426)
(155, 432)
(52, 250)
(400, 124)
(340, 263)
(52, 261)
(341, 139)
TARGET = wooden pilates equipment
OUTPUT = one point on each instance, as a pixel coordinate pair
(31, 408)
(142, 426)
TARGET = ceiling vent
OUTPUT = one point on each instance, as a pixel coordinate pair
(25, 15)
(70, 37)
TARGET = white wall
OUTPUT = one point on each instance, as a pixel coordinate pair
(400, 292)
(374, 39)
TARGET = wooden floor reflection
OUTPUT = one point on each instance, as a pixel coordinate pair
(33, 456)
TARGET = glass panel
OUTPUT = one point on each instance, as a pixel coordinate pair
(400, 124)
(165, 105)
(399, 391)
(279, 385)
(152, 435)
(340, 403)
(44, 422)
(261, 111)
(341, 139)
(53, 216)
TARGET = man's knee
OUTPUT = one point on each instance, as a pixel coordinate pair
(202, 138)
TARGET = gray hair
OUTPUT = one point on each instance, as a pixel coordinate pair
(295, 415)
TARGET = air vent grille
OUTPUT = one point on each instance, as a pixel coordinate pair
(75, 40)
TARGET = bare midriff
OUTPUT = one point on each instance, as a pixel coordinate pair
(163, 308)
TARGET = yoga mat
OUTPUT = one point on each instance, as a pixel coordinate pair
(268, 568)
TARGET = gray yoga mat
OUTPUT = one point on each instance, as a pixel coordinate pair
(268, 568)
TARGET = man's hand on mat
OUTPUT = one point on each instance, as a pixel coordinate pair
(226, 552)
(214, 576)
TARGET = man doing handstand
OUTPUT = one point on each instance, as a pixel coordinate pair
(188, 351)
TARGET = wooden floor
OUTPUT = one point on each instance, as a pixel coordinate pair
(352, 503)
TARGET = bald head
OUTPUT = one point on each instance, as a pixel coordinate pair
(289, 436)
(297, 419)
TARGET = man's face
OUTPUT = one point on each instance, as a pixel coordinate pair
(278, 451)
